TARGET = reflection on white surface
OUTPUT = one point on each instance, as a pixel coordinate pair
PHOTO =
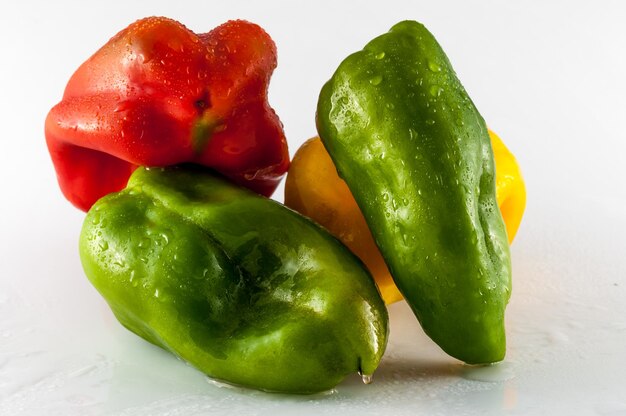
(495, 373)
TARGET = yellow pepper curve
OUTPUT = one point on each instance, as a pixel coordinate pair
(314, 189)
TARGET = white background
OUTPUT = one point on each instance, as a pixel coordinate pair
(549, 77)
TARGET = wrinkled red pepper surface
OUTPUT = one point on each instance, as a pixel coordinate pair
(158, 94)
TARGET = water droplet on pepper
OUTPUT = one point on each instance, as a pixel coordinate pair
(435, 90)
(433, 66)
(376, 79)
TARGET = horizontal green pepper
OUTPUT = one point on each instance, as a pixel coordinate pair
(416, 155)
(239, 286)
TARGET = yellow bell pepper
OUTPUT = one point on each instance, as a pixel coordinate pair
(510, 189)
(314, 189)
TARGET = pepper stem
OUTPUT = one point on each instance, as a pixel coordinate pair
(203, 130)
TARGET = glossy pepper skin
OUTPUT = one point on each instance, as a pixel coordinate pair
(314, 189)
(510, 187)
(415, 152)
(243, 288)
(158, 94)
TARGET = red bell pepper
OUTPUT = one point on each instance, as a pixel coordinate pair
(158, 94)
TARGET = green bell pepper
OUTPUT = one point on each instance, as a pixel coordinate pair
(237, 285)
(415, 152)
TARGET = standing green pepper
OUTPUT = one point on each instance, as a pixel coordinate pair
(415, 152)
(238, 285)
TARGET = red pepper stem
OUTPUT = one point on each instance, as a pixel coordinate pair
(203, 130)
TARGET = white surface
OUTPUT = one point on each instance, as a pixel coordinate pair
(550, 79)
